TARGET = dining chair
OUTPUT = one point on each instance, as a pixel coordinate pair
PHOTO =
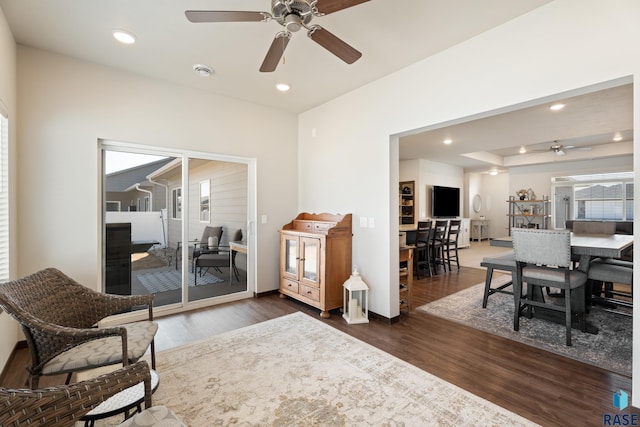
(450, 243)
(437, 244)
(543, 259)
(602, 276)
(423, 248)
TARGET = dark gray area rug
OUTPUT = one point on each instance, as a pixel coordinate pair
(167, 280)
(610, 349)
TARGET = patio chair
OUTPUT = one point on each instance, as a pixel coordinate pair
(543, 258)
(65, 405)
(60, 320)
(217, 259)
(201, 246)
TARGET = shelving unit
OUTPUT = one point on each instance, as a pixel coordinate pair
(528, 213)
(406, 204)
(406, 277)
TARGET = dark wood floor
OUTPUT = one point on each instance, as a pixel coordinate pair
(546, 388)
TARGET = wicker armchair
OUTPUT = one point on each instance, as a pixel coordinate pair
(59, 318)
(63, 406)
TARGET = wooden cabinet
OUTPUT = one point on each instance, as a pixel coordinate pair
(315, 259)
(406, 204)
(529, 213)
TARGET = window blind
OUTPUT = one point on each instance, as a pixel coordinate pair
(4, 198)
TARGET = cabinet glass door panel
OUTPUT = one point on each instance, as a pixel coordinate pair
(291, 257)
(310, 260)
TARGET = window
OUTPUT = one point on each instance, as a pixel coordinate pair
(205, 196)
(4, 198)
(176, 203)
(113, 206)
(599, 197)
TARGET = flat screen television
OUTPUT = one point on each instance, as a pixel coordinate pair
(445, 202)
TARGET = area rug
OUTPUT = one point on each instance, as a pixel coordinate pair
(609, 349)
(168, 280)
(297, 371)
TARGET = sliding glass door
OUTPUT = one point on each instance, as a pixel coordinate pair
(175, 225)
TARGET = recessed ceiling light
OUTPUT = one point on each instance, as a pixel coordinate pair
(202, 70)
(522, 149)
(447, 141)
(283, 87)
(556, 107)
(617, 138)
(493, 172)
(124, 37)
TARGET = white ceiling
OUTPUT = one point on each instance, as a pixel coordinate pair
(590, 119)
(391, 34)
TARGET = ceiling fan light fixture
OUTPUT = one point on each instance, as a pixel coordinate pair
(292, 22)
(283, 87)
(202, 70)
(124, 37)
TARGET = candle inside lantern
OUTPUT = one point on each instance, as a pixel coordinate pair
(354, 308)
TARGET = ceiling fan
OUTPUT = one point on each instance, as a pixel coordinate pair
(293, 15)
(559, 149)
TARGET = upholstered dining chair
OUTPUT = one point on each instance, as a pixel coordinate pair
(543, 258)
(60, 319)
(64, 406)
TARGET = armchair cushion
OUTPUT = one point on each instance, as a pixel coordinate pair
(104, 351)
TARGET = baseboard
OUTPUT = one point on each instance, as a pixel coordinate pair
(265, 294)
(19, 345)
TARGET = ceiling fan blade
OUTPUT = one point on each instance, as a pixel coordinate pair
(279, 44)
(573, 147)
(330, 6)
(334, 45)
(226, 16)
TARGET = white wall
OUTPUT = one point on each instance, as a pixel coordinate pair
(64, 112)
(8, 327)
(493, 191)
(562, 46)
(144, 225)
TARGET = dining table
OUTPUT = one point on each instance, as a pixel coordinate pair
(587, 247)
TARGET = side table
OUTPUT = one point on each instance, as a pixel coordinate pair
(479, 229)
(121, 402)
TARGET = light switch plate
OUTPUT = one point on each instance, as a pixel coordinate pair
(363, 222)
(371, 223)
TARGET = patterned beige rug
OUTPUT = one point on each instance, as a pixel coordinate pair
(296, 370)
